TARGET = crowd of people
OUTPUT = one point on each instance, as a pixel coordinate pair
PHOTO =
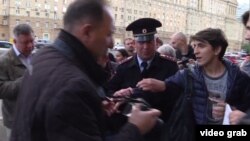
(75, 89)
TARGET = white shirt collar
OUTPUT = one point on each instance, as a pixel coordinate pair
(140, 61)
(17, 52)
(25, 60)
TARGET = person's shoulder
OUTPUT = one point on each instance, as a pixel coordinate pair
(127, 60)
(5, 56)
(168, 58)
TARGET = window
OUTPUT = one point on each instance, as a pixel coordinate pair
(55, 15)
(37, 24)
(4, 2)
(129, 18)
(46, 6)
(4, 12)
(18, 11)
(5, 22)
(129, 10)
(47, 15)
(17, 21)
(28, 4)
(46, 25)
(55, 25)
(64, 9)
(46, 36)
(18, 2)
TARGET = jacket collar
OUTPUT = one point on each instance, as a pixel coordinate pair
(14, 57)
(74, 50)
(230, 67)
(154, 62)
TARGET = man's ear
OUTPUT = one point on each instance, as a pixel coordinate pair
(14, 41)
(218, 50)
(86, 31)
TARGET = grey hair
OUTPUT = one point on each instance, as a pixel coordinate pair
(22, 29)
(167, 49)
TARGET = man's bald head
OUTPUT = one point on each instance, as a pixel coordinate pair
(178, 40)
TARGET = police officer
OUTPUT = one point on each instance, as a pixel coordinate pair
(146, 63)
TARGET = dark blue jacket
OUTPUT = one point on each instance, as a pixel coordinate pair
(237, 95)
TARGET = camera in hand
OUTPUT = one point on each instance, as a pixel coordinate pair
(144, 106)
(184, 61)
(128, 103)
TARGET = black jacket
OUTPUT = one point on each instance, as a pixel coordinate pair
(190, 54)
(60, 101)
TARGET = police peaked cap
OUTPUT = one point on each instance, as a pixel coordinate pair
(144, 29)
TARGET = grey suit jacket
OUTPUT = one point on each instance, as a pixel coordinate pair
(11, 72)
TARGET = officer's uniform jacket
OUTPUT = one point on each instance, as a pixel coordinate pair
(129, 74)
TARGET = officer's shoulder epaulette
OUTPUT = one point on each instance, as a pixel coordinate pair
(126, 60)
(168, 58)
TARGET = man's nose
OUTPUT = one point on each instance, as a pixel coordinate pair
(111, 43)
(146, 44)
(31, 44)
(195, 50)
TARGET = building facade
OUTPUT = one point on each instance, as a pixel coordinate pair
(45, 16)
(187, 16)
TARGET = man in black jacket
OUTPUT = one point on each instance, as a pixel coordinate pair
(62, 99)
(184, 52)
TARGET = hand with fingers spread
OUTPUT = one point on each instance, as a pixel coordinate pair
(152, 85)
(121, 93)
(235, 116)
(144, 120)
